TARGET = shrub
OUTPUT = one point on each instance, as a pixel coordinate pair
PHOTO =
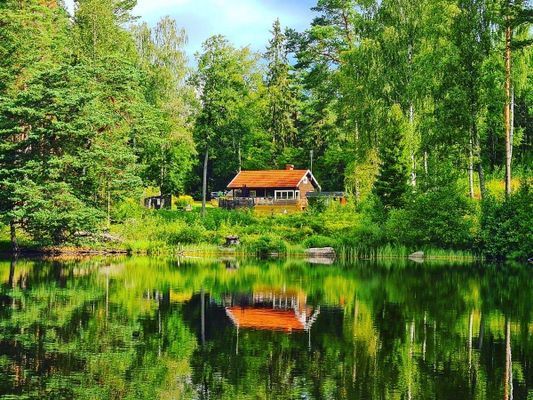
(317, 204)
(184, 201)
(442, 217)
(266, 245)
(366, 235)
(128, 209)
(506, 226)
(320, 241)
(180, 233)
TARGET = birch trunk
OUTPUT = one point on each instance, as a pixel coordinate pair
(204, 182)
(471, 169)
(507, 109)
(508, 378)
(512, 121)
(413, 155)
(478, 161)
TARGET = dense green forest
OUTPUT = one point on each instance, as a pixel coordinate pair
(421, 111)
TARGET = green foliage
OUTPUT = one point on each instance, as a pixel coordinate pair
(320, 241)
(317, 204)
(182, 234)
(441, 217)
(266, 245)
(280, 94)
(184, 201)
(164, 140)
(228, 124)
(391, 182)
(396, 98)
(506, 225)
(78, 117)
(128, 209)
(39, 214)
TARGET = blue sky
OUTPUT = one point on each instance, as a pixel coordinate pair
(243, 22)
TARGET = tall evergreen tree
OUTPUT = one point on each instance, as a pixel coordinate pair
(34, 40)
(107, 49)
(282, 108)
(391, 181)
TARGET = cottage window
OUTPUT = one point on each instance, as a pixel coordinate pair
(285, 194)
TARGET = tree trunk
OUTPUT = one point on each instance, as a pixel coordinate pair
(204, 182)
(412, 151)
(471, 168)
(240, 157)
(14, 242)
(507, 110)
(202, 316)
(12, 271)
(481, 331)
(162, 172)
(512, 120)
(108, 207)
(357, 192)
(508, 378)
(481, 175)
(478, 161)
(470, 333)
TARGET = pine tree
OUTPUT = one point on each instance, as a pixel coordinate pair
(281, 99)
(391, 182)
(34, 41)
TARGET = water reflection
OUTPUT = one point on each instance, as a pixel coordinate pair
(270, 309)
(142, 328)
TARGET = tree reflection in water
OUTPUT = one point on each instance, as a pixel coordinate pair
(138, 328)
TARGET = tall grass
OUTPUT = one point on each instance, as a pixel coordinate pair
(348, 253)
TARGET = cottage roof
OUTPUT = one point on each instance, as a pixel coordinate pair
(274, 178)
(268, 319)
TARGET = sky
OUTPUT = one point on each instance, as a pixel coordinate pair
(243, 22)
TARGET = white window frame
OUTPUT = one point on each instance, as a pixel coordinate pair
(284, 194)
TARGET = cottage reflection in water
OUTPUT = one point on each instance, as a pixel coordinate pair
(271, 310)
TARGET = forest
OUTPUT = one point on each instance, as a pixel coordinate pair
(422, 112)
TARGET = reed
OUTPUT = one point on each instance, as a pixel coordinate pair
(347, 253)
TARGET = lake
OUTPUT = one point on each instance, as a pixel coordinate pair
(148, 328)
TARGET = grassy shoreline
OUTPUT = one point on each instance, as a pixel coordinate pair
(353, 233)
(209, 250)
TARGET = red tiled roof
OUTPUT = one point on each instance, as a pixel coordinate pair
(261, 318)
(277, 178)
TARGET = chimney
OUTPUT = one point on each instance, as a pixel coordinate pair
(289, 167)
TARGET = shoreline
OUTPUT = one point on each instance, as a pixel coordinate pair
(218, 251)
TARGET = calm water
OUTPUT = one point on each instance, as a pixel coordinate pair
(143, 328)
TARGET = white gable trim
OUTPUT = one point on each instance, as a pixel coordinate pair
(312, 178)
